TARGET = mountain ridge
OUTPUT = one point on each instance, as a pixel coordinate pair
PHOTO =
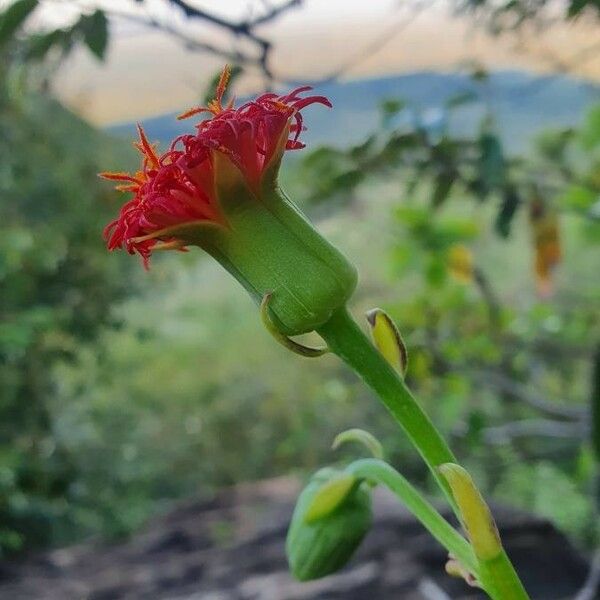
(523, 103)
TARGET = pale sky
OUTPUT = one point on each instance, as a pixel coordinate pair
(148, 72)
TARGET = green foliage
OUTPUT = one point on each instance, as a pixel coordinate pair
(510, 15)
(112, 404)
(91, 30)
(13, 17)
(56, 289)
(95, 32)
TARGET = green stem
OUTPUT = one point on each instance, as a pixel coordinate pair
(344, 338)
(500, 580)
(384, 474)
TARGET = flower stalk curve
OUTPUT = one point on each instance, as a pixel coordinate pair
(217, 188)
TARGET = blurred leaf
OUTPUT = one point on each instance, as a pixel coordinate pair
(389, 108)
(479, 73)
(590, 131)
(95, 33)
(579, 198)
(436, 271)
(361, 151)
(332, 173)
(595, 404)
(397, 145)
(461, 98)
(553, 144)
(546, 242)
(460, 263)
(576, 6)
(39, 45)
(491, 161)
(442, 187)
(508, 209)
(13, 17)
(348, 180)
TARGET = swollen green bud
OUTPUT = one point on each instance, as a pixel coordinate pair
(317, 547)
(269, 246)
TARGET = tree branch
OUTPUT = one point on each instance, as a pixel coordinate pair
(502, 434)
(243, 28)
(534, 400)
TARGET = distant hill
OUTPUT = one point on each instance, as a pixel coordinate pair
(524, 105)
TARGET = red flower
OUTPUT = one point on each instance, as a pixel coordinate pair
(177, 188)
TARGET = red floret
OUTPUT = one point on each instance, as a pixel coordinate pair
(177, 187)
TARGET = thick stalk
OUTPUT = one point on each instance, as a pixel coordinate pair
(344, 338)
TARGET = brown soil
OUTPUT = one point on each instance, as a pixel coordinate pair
(232, 548)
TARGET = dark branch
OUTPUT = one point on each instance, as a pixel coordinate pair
(274, 13)
(188, 41)
(240, 28)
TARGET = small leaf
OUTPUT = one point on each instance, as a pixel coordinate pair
(330, 496)
(461, 98)
(578, 198)
(13, 17)
(510, 202)
(389, 108)
(590, 132)
(95, 33)
(442, 187)
(39, 45)
(388, 340)
(368, 440)
(362, 150)
(460, 263)
(575, 7)
(476, 516)
(436, 271)
(546, 242)
(491, 161)
(595, 405)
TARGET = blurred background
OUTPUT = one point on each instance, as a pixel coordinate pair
(459, 169)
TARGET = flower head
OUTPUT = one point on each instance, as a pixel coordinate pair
(177, 190)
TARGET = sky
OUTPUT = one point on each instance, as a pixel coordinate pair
(148, 72)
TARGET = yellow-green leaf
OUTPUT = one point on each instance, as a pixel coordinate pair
(388, 340)
(330, 496)
(476, 516)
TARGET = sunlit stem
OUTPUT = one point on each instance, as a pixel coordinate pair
(382, 473)
(500, 580)
(344, 338)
